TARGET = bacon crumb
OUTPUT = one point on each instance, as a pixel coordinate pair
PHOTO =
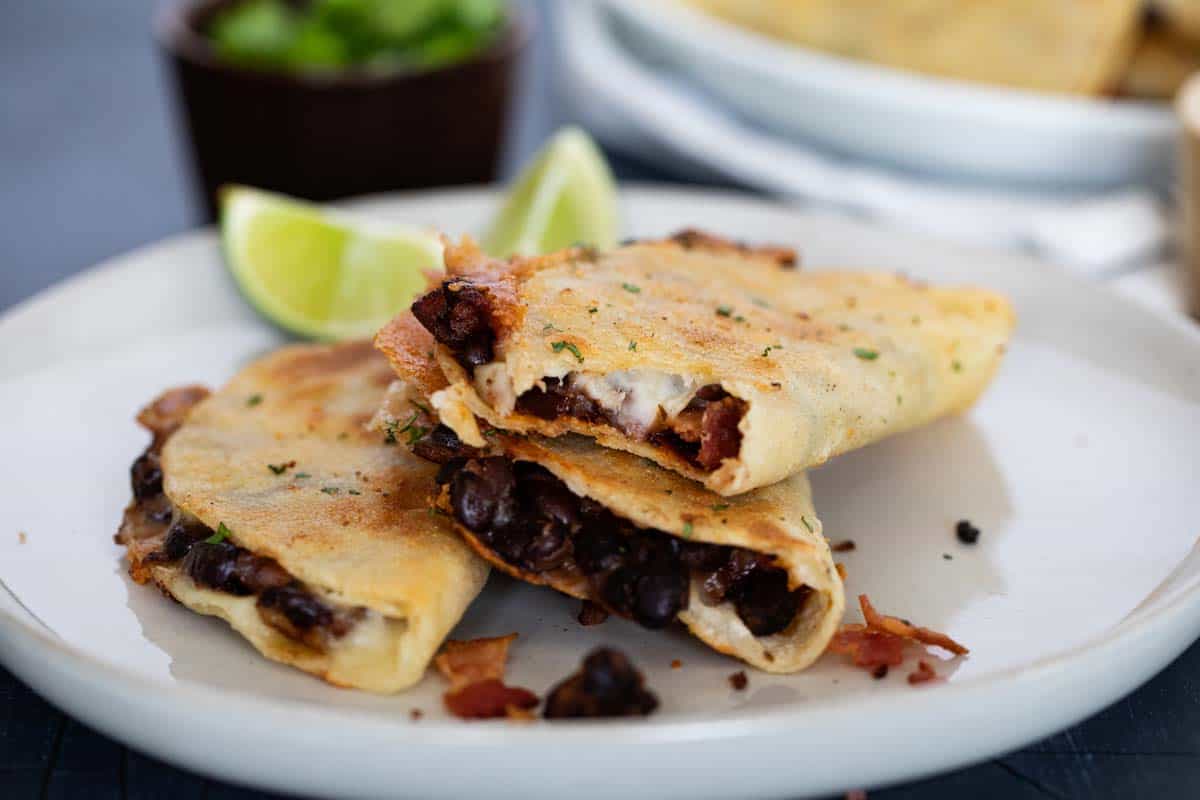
(923, 674)
(880, 672)
(676, 664)
(880, 642)
(474, 660)
(843, 547)
(475, 669)
(488, 699)
(739, 681)
(906, 629)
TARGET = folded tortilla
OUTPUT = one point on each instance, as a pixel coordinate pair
(752, 576)
(1071, 46)
(715, 360)
(271, 505)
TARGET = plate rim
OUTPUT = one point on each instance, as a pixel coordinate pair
(1174, 625)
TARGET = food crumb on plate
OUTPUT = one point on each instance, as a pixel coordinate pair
(966, 532)
(21, 537)
(676, 664)
(923, 673)
(843, 547)
(415, 714)
(880, 672)
(739, 681)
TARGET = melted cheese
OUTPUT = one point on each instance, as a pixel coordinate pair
(635, 397)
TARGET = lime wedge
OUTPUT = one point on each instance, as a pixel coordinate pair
(317, 274)
(565, 196)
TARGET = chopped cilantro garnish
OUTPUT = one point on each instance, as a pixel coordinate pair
(279, 469)
(633, 288)
(724, 311)
(720, 506)
(415, 432)
(253, 400)
(739, 318)
(633, 345)
(302, 475)
(549, 327)
(353, 491)
(865, 354)
(767, 350)
(593, 310)
(687, 529)
(957, 366)
(422, 406)
(221, 535)
(759, 302)
(330, 489)
(570, 347)
(899, 400)
(807, 524)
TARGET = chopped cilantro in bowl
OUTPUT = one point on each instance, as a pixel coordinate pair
(378, 35)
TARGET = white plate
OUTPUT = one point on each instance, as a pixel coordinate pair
(929, 124)
(1079, 466)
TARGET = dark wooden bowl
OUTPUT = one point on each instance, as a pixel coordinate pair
(324, 136)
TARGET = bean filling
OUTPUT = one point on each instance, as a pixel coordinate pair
(530, 519)
(703, 434)
(283, 602)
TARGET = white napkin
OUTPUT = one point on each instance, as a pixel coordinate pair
(635, 107)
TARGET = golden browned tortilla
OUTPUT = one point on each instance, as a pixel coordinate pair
(800, 365)
(1071, 46)
(280, 458)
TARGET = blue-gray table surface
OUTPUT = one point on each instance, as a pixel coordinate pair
(91, 165)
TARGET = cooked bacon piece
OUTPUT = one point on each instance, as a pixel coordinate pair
(488, 699)
(899, 627)
(475, 669)
(869, 649)
(719, 434)
(881, 641)
(923, 674)
(474, 660)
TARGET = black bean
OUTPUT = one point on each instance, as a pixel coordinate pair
(548, 549)
(473, 504)
(447, 471)
(764, 602)
(619, 590)
(511, 541)
(145, 476)
(442, 446)
(212, 565)
(660, 597)
(598, 550)
(181, 537)
(607, 685)
(301, 608)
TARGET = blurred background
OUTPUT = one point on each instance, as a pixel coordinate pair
(1056, 128)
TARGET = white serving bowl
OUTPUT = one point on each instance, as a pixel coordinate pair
(931, 125)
